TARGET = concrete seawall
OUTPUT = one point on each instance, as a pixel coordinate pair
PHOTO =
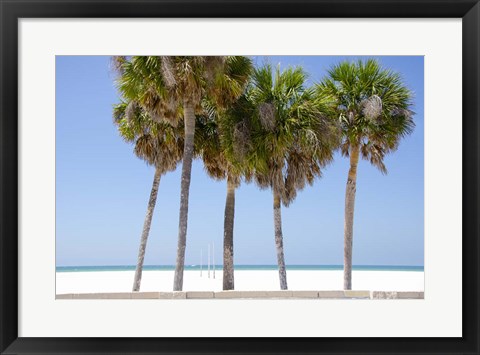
(377, 295)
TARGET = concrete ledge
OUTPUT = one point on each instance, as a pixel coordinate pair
(179, 295)
(304, 294)
(147, 295)
(267, 294)
(394, 295)
(160, 295)
(411, 295)
(199, 294)
(331, 294)
(383, 295)
(347, 294)
(228, 294)
(357, 294)
(108, 295)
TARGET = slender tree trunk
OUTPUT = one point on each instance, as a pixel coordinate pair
(228, 278)
(146, 230)
(189, 117)
(349, 211)
(277, 218)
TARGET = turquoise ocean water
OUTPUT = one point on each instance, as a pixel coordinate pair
(237, 267)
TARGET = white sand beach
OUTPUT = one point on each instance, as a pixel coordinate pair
(245, 280)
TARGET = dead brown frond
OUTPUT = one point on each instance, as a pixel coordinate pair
(372, 107)
(402, 112)
(168, 71)
(241, 136)
(214, 65)
(215, 164)
(116, 63)
(267, 113)
(131, 110)
(145, 148)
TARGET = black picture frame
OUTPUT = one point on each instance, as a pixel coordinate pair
(12, 11)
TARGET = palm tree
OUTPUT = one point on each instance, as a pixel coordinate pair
(373, 109)
(217, 167)
(223, 141)
(158, 144)
(293, 140)
(172, 88)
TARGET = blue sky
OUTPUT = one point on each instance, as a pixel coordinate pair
(102, 189)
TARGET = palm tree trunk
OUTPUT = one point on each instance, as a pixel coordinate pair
(146, 230)
(277, 218)
(228, 279)
(189, 117)
(349, 210)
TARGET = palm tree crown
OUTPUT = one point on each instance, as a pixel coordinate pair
(294, 137)
(157, 143)
(372, 106)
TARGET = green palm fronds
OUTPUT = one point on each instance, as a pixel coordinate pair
(372, 106)
(293, 137)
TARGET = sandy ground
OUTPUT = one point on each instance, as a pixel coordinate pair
(265, 280)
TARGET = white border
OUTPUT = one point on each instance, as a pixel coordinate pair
(439, 315)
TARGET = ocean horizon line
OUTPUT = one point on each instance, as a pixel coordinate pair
(252, 267)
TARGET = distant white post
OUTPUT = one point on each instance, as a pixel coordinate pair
(201, 261)
(213, 259)
(208, 260)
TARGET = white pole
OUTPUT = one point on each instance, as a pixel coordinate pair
(201, 261)
(208, 260)
(213, 259)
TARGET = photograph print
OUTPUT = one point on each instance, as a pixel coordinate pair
(239, 177)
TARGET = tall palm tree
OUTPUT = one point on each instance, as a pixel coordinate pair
(172, 88)
(293, 140)
(373, 108)
(217, 166)
(158, 144)
(223, 143)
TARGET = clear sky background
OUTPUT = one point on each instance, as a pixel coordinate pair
(102, 189)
